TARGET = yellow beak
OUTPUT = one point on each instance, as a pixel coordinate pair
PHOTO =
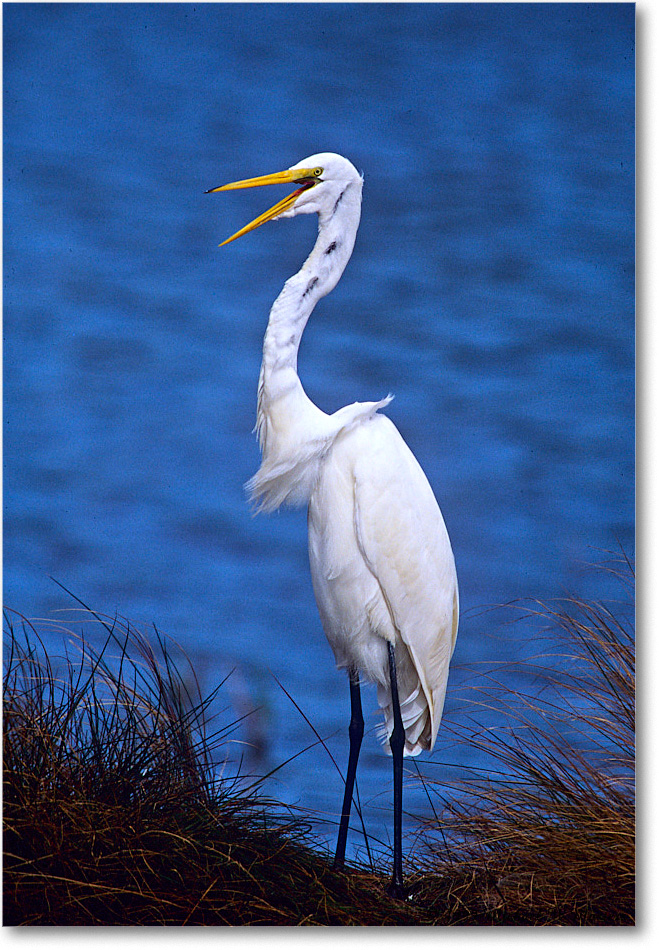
(307, 177)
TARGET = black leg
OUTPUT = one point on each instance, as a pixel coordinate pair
(356, 732)
(397, 743)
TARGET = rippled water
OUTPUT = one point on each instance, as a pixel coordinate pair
(491, 289)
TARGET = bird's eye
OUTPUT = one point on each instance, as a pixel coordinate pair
(317, 172)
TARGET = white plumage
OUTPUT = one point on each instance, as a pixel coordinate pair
(383, 570)
(381, 561)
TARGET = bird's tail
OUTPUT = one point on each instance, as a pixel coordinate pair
(419, 722)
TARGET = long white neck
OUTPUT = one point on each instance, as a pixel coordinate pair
(337, 229)
(294, 434)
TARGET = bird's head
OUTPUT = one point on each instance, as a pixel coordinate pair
(322, 181)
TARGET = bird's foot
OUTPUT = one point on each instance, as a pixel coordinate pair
(397, 890)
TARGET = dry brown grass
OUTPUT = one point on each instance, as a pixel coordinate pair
(548, 837)
(114, 814)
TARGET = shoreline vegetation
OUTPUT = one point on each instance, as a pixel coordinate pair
(114, 812)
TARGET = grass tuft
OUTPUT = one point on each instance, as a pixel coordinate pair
(547, 837)
(114, 813)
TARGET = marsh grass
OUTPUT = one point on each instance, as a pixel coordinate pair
(117, 808)
(547, 835)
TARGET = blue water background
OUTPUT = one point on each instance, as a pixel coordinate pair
(491, 289)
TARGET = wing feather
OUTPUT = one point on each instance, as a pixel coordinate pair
(403, 540)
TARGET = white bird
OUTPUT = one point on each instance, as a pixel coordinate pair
(381, 561)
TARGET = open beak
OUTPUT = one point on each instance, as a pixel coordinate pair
(306, 177)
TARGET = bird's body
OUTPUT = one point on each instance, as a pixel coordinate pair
(382, 572)
(381, 561)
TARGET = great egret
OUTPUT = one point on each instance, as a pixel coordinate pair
(381, 561)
